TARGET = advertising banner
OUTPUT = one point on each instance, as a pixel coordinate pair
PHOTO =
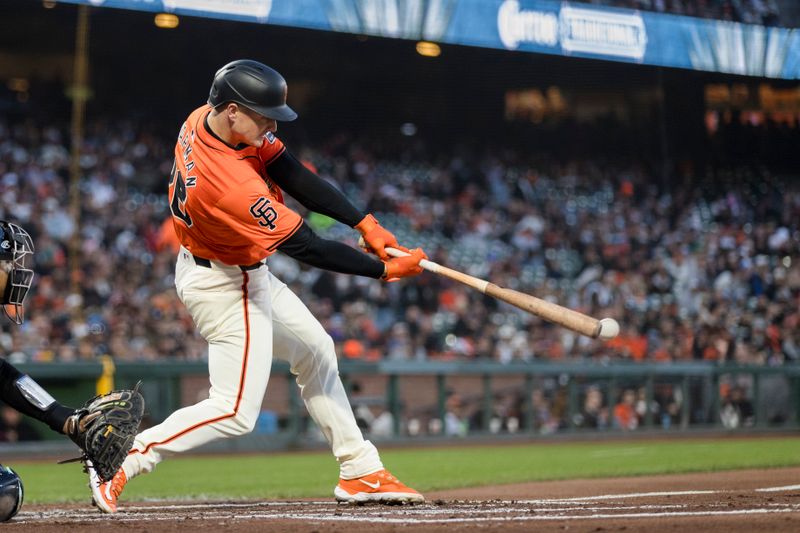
(539, 26)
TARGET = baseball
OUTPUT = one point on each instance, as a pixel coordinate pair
(609, 328)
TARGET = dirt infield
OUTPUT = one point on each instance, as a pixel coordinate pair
(745, 500)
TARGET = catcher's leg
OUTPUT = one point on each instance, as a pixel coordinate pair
(302, 341)
(232, 311)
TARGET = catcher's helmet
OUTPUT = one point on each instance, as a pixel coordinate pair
(16, 246)
(11, 493)
(253, 85)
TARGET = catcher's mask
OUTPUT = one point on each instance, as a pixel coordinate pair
(11, 493)
(16, 246)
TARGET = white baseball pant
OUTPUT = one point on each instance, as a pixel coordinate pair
(246, 317)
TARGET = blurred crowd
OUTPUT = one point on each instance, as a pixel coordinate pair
(120, 299)
(702, 269)
(764, 12)
(705, 267)
(553, 406)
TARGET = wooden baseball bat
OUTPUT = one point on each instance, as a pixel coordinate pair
(606, 328)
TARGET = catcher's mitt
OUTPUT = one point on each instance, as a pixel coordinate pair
(104, 429)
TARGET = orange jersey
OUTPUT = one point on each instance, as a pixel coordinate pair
(224, 206)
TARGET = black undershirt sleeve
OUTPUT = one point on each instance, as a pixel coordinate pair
(54, 416)
(312, 191)
(307, 247)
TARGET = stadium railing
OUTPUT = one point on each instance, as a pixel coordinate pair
(419, 391)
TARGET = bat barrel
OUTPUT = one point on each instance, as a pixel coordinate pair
(578, 322)
(549, 311)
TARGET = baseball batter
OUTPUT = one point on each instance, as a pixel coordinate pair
(225, 193)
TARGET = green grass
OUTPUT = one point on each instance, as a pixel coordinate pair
(296, 475)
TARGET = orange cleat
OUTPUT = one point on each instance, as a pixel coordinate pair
(380, 487)
(105, 494)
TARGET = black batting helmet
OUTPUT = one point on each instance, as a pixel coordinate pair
(253, 85)
(11, 493)
(16, 247)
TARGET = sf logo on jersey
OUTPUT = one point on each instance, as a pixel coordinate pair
(264, 213)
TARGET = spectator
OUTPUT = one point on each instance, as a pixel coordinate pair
(625, 416)
(737, 410)
(14, 428)
(594, 414)
(545, 420)
(455, 423)
(668, 404)
(361, 409)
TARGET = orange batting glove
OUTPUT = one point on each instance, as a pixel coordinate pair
(403, 267)
(377, 237)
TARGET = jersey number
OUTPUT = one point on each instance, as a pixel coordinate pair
(178, 203)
